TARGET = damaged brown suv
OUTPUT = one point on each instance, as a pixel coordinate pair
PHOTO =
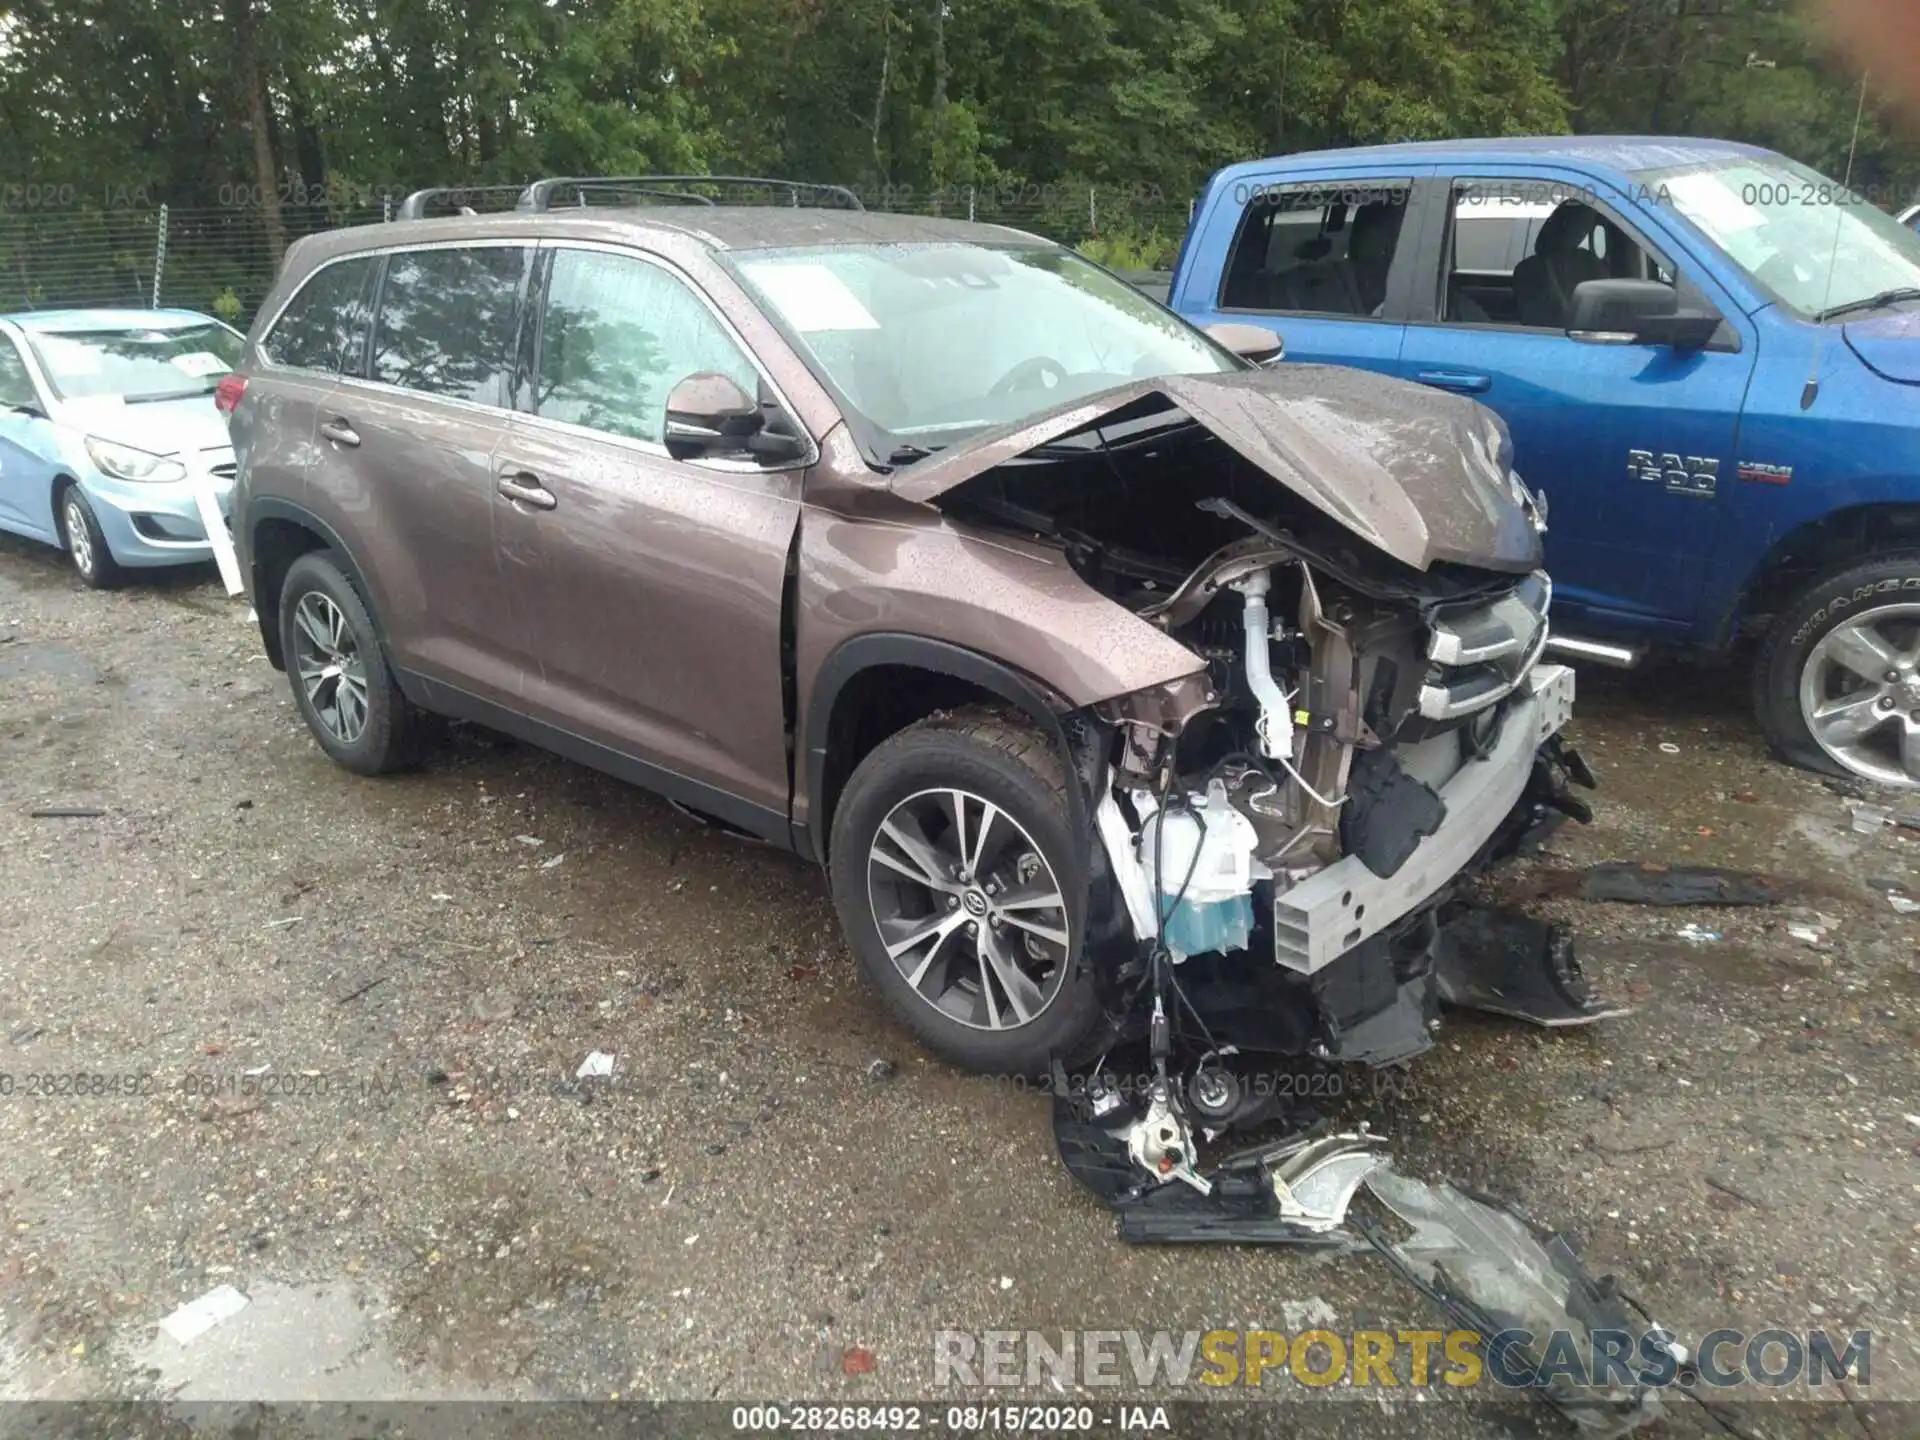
(1125, 686)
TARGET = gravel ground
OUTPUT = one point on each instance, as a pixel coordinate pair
(430, 1205)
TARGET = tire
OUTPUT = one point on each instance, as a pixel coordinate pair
(368, 727)
(1866, 611)
(84, 542)
(973, 1021)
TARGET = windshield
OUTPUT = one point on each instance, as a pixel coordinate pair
(930, 342)
(137, 364)
(1813, 244)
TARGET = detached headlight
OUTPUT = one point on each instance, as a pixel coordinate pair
(123, 462)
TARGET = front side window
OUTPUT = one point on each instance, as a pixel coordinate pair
(16, 386)
(618, 334)
(325, 322)
(137, 363)
(446, 321)
(1517, 248)
(1316, 249)
(1818, 248)
(932, 341)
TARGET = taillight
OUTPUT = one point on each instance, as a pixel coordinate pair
(226, 395)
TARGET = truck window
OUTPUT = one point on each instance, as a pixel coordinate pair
(1318, 249)
(1516, 249)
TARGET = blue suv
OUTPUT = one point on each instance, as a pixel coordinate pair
(1707, 355)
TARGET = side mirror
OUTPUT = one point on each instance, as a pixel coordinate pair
(1250, 342)
(708, 414)
(1637, 312)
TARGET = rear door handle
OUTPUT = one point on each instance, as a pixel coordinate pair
(525, 489)
(1470, 382)
(340, 432)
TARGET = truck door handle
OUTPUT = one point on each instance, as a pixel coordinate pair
(525, 489)
(340, 432)
(1470, 382)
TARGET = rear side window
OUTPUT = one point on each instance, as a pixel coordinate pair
(326, 320)
(446, 321)
(1320, 249)
(618, 335)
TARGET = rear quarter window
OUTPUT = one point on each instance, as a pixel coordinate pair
(324, 325)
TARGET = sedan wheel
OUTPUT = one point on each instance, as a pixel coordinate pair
(79, 538)
(1860, 694)
(85, 545)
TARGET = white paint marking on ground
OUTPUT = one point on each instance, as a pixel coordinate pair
(197, 1317)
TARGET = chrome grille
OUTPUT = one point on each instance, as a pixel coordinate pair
(1480, 651)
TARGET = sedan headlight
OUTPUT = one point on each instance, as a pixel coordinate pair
(123, 462)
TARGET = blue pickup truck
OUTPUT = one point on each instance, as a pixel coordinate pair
(1709, 359)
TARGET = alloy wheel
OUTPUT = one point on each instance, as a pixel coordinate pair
(969, 909)
(332, 672)
(1860, 694)
(79, 537)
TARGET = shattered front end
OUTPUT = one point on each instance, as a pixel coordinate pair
(1281, 837)
(1289, 841)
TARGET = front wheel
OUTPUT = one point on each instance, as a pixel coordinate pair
(964, 896)
(1837, 684)
(86, 543)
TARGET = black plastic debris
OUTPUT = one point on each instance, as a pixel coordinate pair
(1522, 1289)
(1136, 1154)
(1626, 883)
(1510, 964)
(1387, 814)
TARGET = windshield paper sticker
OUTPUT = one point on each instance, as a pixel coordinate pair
(200, 362)
(812, 297)
(1711, 205)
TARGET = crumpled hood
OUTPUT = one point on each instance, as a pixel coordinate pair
(1417, 473)
(160, 427)
(1889, 344)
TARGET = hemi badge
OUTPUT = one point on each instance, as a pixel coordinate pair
(1761, 474)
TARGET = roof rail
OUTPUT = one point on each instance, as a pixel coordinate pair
(414, 207)
(539, 195)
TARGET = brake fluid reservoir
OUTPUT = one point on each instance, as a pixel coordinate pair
(1202, 861)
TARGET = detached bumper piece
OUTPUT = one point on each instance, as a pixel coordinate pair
(1485, 1268)
(1293, 1193)
(1510, 964)
(1522, 1289)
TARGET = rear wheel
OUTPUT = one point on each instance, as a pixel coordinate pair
(960, 888)
(1837, 684)
(339, 674)
(85, 544)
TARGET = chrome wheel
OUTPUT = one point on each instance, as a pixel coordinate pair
(79, 537)
(328, 662)
(1860, 694)
(969, 909)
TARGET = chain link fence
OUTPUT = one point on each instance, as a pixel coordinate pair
(219, 259)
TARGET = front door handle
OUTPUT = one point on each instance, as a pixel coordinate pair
(1468, 382)
(525, 489)
(340, 432)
